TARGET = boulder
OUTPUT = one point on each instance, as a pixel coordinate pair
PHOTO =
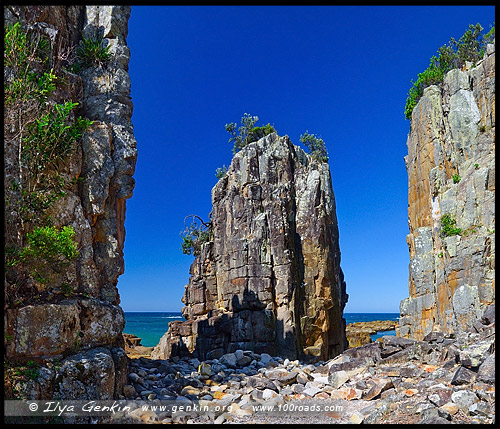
(486, 371)
(338, 378)
(474, 355)
(464, 399)
(229, 359)
(488, 316)
(463, 375)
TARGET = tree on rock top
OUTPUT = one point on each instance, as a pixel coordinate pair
(315, 145)
(247, 132)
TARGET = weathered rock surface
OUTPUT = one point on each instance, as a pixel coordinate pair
(452, 132)
(358, 333)
(270, 281)
(134, 348)
(87, 320)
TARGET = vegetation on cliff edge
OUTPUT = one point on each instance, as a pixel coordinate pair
(470, 47)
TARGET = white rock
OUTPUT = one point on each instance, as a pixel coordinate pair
(268, 394)
(311, 391)
(337, 378)
(464, 398)
(357, 418)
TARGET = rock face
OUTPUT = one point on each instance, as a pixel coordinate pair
(87, 321)
(451, 171)
(358, 333)
(270, 281)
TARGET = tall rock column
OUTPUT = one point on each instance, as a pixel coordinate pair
(270, 281)
(78, 321)
(451, 179)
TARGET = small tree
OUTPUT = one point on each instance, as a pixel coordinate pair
(315, 145)
(240, 136)
(195, 235)
(247, 132)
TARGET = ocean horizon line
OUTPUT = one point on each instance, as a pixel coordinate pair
(178, 311)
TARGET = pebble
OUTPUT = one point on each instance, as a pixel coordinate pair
(412, 387)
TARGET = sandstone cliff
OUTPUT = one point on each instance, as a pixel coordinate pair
(77, 321)
(270, 281)
(451, 179)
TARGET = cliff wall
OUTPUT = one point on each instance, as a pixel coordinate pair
(451, 197)
(270, 281)
(76, 320)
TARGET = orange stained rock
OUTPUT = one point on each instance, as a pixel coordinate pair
(429, 368)
(219, 395)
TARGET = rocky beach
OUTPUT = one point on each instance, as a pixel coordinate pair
(441, 379)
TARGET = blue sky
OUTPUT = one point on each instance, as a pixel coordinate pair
(342, 72)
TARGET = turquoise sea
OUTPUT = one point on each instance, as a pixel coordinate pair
(150, 326)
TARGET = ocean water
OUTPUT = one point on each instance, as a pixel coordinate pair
(150, 326)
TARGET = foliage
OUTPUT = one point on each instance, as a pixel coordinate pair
(26, 57)
(48, 252)
(315, 145)
(239, 137)
(448, 226)
(456, 178)
(470, 47)
(247, 132)
(257, 133)
(195, 235)
(92, 53)
(42, 134)
(221, 172)
(476, 166)
(49, 142)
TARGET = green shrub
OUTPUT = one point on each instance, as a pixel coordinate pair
(91, 52)
(257, 133)
(456, 178)
(50, 140)
(221, 172)
(470, 47)
(195, 235)
(448, 226)
(49, 251)
(315, 145)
